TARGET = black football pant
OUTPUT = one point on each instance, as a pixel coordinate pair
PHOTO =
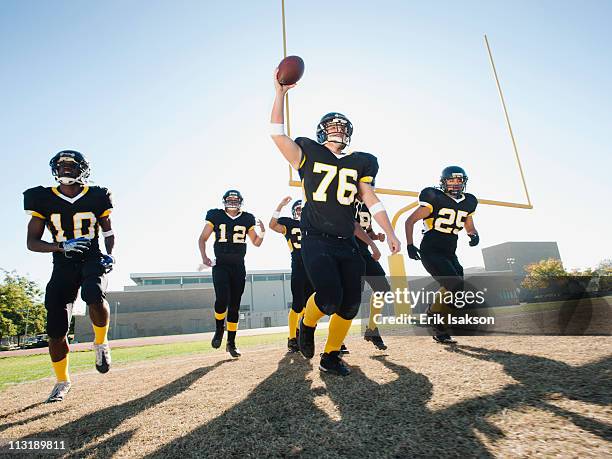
(444, 268)
(301, 288)
(335, 269)
(229, 280)
(375, 274)
(61, 292)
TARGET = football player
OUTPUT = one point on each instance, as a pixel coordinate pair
(445, 211)
(74, 213)
(301, 288)
(375, 274)
(231, 227)
(331, 178)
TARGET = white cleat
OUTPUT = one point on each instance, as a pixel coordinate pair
(103, 357)
(59, 391)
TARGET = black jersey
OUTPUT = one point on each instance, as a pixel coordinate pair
(293, 235)
(364, 218)
(446, 219)
(70, 218)
(330, 184)
(230, 232)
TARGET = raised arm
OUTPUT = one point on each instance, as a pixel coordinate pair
(255, 238)
(379, 214)
(274, 225)
(290, 150)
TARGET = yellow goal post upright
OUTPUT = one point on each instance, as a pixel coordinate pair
(397, 265)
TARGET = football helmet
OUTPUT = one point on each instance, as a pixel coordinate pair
(76, 159)
(232, 199)
(335, 127)
(296, 209)
(453, 189)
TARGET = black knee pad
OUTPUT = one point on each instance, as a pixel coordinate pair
(348, 311)
(58, 322)
(328, 301)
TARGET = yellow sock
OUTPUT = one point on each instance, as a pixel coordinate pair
(293, 321)
(373, 311)
(232, 326)
(338, 329)
(313, 314)
(61, 369)
(100, 334)
(438, 306)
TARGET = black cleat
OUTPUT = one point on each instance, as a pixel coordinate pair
(233, 350)
(332, 363)
(292, 346)
(344, 350)
(306, 341)
(444, 338)
(217, 338)
(373, 336)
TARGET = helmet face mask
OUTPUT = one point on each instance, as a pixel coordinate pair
(335, 128)
(70, 167)
(296, 209)
(453, 181)
(232, 199)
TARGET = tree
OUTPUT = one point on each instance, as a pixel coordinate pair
(541, 274)
(21, 307)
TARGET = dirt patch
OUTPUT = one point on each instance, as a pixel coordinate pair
(489, 396)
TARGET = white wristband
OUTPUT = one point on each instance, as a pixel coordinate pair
(276, 214)
(376, 208)
(108, 233)
(277, 129)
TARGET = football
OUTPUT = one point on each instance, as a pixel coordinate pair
(290, 70)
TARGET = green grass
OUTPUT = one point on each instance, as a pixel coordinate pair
(20, 369)
(26, 368)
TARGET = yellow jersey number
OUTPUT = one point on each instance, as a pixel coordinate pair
(345, 194)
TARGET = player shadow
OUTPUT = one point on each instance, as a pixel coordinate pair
(21, 410)
(279, 418)
(37, 417)
(89, 428)
(542, 380)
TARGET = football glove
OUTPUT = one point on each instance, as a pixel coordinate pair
(413, 252)
(474, 239)
(75, 246)
(107, 262)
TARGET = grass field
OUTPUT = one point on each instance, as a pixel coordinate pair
(487, 397)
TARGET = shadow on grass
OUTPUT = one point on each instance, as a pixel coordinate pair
(282, 418)
(82, 432)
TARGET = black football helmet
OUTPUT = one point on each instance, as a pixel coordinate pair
(80, 163)
(335, 127)
(451, 172)
(232, 199)
(296, 209)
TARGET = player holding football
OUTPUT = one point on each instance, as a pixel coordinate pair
(301, 287)
(73, 212)
(331, 178)
(445, 211)
(231, 226)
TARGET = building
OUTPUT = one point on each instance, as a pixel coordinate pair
(514, 256)
(177, 303)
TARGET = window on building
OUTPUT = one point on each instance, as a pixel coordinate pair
(245, 307)
(191, 280)
(172, 281)
(153, 281)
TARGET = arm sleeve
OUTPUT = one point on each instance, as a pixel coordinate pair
(303, 144)
(427, 198)
(284, 222)
(251, 222)
(370, 168)
(32, 204)
(210, 218)
(107, 203)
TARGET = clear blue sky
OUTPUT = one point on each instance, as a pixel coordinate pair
(171, 100)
